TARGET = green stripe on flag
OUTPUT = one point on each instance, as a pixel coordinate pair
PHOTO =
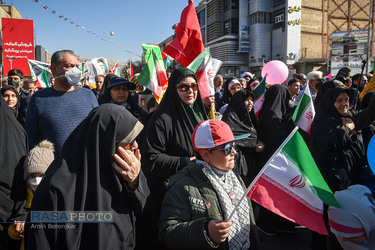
(194, 66)
(301, 108)
(297, 151)
(260, 89)
(45, 78)
(146, 74)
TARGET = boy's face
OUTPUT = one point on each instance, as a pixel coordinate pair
(218, 158)
(32, 176)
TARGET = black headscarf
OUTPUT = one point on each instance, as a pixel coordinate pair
(241, 122)
(107, 79)
(338, 154)
(82, 178)
(239, 119)
(17, 111)
(323, 89)
(167, 147)
(13, 148)
(275, 118)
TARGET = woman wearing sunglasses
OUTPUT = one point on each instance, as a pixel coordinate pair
(167, 147)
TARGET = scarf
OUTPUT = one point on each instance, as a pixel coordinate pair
(230, 192)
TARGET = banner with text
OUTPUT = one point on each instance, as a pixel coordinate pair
(18, 44)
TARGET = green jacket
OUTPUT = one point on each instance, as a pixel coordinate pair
(189, 204)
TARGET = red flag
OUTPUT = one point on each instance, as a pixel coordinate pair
(188, 42)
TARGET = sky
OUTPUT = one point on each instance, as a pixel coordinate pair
(133, 22)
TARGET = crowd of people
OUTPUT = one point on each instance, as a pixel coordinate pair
(170, 175)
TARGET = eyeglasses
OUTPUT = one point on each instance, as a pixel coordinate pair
(186, 87)
(227, 148)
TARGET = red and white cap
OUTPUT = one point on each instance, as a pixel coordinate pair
(210, 134)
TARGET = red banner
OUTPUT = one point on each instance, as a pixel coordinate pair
(18, 44)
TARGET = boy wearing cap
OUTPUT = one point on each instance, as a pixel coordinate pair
(201, 197)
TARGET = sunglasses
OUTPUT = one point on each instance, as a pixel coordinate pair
(186, 87)
(227, 148)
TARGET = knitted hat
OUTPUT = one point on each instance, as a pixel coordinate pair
(38, 159)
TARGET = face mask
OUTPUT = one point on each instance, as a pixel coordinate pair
(34, 182)
(73, 76)
(13, 82)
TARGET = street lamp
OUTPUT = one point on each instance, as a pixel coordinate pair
(11, 59)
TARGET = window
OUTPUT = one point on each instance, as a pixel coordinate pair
(260, 17)
(203, 31)
(202, 17)
(231, 26)
(230, 5)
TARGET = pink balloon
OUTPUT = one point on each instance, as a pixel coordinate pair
(276, 72)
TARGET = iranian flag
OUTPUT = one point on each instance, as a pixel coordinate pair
(258, 92)
(42, 80)
(130, 71)
(116, 70)
(205, 67)
(305, 112)
(291, 186)
(153, 75)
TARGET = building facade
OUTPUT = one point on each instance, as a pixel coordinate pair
(245, 34)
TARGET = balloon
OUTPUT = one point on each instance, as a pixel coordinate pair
(111, 33)
(276, 72)
(371, 154)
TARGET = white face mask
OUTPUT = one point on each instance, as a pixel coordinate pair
(34, 182)
(73, 76)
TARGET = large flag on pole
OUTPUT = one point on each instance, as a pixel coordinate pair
(153, 75)
(188, 42)
(205, 67)
(304, 114)
(291, 185)
(258, 92)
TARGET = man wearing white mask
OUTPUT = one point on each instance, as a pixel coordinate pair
(54, 113)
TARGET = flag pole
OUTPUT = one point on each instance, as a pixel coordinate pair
(262, 170)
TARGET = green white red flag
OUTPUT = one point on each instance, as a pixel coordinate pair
(40, 73)
(304, 114)
(130, 71)
(116, 70)
(205, 67)
(153, 75)
(258, 92)
(291, 186)
(42, 80)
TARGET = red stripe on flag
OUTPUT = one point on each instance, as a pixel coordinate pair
(345, 229)
(280, 202)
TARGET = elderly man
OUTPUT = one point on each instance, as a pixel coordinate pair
(53, 113)
(313, 79)
(218, 83)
